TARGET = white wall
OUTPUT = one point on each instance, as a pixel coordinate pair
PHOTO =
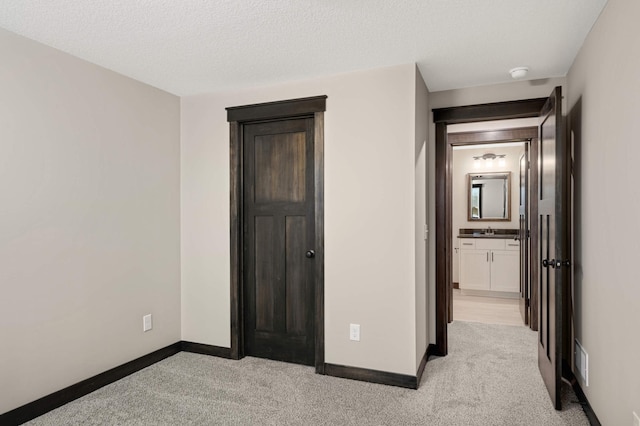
(421, 135)
(604, 104)
(472, 96)
(89, 220)
(370, 203)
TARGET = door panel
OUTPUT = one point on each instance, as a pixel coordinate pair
(279, 227)
(545, 278)
(266, 285)
(553, 242)
(272, 181)
(523, 236)
(297, 285)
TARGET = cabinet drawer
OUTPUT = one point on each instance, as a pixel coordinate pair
(512, 245)
(467, 243)
(490, 244)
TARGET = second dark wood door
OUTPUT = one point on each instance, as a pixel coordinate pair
(554, 232)
(523, 236)
(278, 236)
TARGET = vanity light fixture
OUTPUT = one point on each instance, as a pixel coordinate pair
(488, 160)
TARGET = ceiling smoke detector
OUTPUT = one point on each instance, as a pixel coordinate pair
(519, 72)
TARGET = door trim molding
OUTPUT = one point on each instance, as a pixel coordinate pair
(237, 117)
(485, 112)
(443, 199)
(277, 110)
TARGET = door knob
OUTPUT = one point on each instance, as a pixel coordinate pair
(310, 254)
(556, 263)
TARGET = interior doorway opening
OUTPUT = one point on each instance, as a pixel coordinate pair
(490, 187)
(443, 118)
(549, 232)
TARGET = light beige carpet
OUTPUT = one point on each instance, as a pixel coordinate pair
(490, 377)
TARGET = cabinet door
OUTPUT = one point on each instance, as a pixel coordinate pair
(505, 270)
(475, 272)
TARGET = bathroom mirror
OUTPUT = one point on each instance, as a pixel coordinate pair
(489, 196)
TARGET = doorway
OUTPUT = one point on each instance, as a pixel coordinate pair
(442, 118)
(552, 262)
(489, 221)
(277, 230)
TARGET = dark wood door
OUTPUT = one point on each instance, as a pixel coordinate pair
(278, 236)
(523, 236)
(553, 229)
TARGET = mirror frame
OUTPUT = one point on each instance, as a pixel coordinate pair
(470, 177)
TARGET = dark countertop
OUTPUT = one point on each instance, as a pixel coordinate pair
(505, 234)
(494, 236)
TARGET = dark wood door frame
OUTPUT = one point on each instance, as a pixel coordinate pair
(237, 117)
(443, 198)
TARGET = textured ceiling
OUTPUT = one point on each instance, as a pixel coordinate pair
(199, 46)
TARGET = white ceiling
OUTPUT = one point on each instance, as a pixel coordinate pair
(198, 46)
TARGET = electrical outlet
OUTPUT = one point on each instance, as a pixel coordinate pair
(582, 362)
(636, 419)
(147, 323)
(354, 332)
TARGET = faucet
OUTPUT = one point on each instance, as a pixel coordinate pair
(489, 231)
